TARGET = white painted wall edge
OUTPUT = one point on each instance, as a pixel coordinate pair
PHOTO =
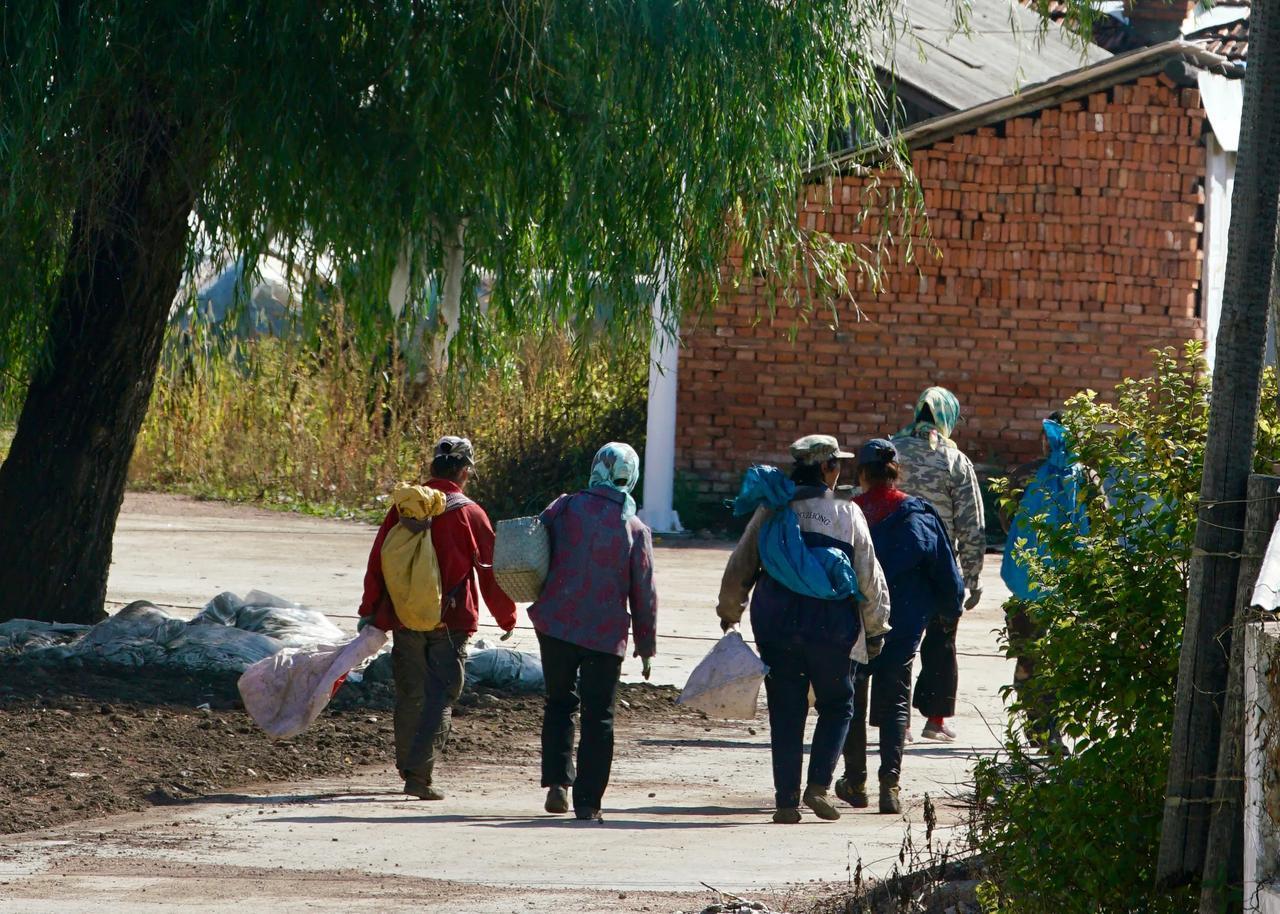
(660, 428)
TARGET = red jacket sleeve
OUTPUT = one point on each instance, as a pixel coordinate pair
(501, 606)
(376, 601)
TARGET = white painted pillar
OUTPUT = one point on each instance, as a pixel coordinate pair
(660, 432)
(1220, 173)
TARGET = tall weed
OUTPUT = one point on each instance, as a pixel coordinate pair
(321, 426)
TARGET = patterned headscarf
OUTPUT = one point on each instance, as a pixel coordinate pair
(944, 407)
(617, 466)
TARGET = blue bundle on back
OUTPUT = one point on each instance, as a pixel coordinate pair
(822, 572)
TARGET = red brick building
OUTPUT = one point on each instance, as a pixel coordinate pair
(1070, 227)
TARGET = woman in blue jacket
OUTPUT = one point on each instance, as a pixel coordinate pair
(914, 550)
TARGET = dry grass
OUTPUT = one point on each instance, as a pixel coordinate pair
(323, 429)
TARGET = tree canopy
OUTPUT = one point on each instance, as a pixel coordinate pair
(579, 142)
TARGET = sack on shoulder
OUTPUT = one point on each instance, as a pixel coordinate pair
(409, 562)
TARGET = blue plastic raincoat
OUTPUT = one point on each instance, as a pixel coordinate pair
(1055, 492)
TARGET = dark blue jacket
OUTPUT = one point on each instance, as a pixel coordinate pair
(915, 552)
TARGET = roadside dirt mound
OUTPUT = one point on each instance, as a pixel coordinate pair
(79, 741)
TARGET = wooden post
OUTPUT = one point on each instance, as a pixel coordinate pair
(1233, 414)
(1223, 860)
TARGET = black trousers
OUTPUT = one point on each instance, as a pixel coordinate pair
(578, 679)
(428, 670)
(794, 667)
(1023, 635)
(939, 678)
(889, 689)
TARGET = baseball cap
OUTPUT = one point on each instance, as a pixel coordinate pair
(877, 450)
(817, 449)
(453, 446)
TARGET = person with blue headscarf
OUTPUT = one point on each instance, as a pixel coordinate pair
(818, 598)
(1056, 494)
(599, 586)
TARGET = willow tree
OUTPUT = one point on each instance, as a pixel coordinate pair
(570, 145)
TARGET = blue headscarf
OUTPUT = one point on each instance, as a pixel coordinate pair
(617, 466)
(945, 410)
(822, 572)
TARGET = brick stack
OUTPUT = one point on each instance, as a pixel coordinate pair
(1068, 245)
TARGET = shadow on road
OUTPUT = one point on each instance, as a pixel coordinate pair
(500, 821)
(704, 743)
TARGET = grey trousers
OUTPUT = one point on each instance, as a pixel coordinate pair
(428, 671)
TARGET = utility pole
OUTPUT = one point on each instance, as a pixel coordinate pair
(1224, 853)
(1233, 414)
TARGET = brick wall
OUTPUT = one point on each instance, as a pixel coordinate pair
(1069, 247)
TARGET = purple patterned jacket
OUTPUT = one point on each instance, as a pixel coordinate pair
(599, 564)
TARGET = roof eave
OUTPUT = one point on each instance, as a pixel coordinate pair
(1067, 87)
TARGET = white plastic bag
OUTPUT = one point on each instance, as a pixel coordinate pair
(726, 683)
(286, 692)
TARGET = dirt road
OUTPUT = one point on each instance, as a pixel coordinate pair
(688, 803)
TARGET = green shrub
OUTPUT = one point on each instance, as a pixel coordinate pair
(697, 511)
(1078, 830)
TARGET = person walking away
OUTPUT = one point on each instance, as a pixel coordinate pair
(1054, 493)
(818, 598)
(428, 665)
(914, 551)
(601, 563)
(937, 471)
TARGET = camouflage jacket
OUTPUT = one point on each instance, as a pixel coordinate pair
(945, 478)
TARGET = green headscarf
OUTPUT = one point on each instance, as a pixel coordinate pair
(945, 409)
(617, 466)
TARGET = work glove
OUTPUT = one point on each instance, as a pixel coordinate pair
(974, 597)
(364, 621)
(506, 636)
(874, 647)
(646, 667)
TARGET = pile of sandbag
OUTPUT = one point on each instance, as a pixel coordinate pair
(292, 659)
(497, 667)
(229, 635)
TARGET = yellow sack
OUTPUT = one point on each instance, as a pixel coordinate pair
(409, 562)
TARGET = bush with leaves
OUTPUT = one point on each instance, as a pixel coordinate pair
(1077, 829)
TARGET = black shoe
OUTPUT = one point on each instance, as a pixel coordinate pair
(855, 794)
(557, 800)
(587, 815)
(422, 791)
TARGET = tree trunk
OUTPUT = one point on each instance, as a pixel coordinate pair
(63, 482)
(1211, 599)
(1224, 855)
(455, 267)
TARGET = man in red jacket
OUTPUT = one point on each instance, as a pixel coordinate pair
(428, 666)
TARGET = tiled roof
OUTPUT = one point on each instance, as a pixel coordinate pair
(1229, 37)
(1230, 40)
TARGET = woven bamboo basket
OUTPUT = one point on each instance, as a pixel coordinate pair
(521, 558)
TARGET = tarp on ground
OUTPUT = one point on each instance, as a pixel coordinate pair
(229, 635)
